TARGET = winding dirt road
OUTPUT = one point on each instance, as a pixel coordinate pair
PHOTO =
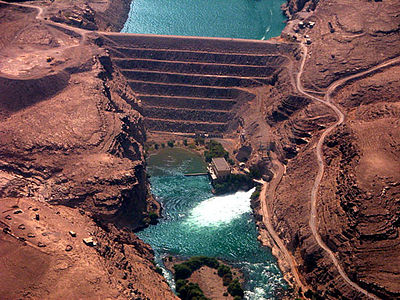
(39, 16)
(319, 153)
(279, 173)
(268, 193)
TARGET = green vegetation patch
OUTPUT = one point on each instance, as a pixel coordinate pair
(256, 193)
(191, 291)
(185, 269)
(233, 183)
(235, 289)
(215, 149)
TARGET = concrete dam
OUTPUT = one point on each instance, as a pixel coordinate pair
(191, 84)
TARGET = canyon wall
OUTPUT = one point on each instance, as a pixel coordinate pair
(71, 153)
(73, 183)
(358, 207)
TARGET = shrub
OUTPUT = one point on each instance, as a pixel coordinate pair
(312, 295)
(180, 283)
(215, 149)
(185, 269)
(256, 193)
(211, 262)
(193, 264)
(156, 146)
(159, 270)
(223, 270)
(227, 279)
(199, 141)
(163, 145)
(185, 142)
(189, 291)
(233, 183)
(255, 172)
(235, 289)
(171, 143)
(199, 261)
(182, 271)
(153, 217)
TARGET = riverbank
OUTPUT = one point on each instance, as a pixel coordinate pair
(76, 191)
(224, 224)
(85, 163)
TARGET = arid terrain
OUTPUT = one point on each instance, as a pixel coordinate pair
(318, 107)
(71, 152)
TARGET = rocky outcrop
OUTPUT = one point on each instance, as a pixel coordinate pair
(342, 35)
(357, 203)
(294, 6)
(71, 159)
(91, 15)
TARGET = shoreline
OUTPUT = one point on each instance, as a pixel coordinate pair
(74, 139)
(286, 274)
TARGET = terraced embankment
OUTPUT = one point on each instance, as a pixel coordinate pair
(193, 85)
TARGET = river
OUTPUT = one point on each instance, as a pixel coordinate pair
(195, 222)
(248, 19)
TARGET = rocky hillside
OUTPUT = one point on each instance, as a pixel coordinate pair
(358, 206)
(71, 168)
(73, 184)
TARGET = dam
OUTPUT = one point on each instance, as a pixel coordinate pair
(198, 85)
(194, 84)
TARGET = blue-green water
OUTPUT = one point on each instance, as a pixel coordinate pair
(249, 19)
(195, 222)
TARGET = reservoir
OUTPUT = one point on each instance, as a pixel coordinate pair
(195, 222)
(248, 19)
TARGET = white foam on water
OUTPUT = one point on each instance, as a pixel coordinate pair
(266, 33)
(220, 210)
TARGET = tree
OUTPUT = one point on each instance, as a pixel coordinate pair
(182, 271)
(235, 289)
(215, 149)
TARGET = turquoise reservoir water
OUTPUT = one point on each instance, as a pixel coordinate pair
(249, 19)
(195, 222)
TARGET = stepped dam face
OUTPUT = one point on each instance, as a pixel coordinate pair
(191, 84)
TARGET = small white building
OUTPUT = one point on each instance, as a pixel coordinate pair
(219, 168)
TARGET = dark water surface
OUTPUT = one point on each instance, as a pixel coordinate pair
(248, 19)
(198, 223)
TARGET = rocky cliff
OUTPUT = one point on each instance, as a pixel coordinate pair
(357, 204)
(71, 166)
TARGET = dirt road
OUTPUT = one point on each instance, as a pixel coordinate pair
(319, 153)
(267, 194)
